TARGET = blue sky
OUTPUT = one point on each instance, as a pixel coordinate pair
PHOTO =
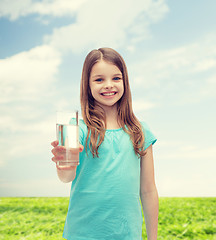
(169, 48)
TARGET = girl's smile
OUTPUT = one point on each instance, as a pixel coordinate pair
(106, 84)
(108, 94)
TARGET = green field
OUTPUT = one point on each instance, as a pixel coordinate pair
(43, 218)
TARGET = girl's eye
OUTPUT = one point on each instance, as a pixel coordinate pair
(116, 78)
(99, 80)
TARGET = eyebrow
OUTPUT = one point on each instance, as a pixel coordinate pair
(99, 75)
(95, 76)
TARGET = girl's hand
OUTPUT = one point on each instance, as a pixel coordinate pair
(59, 153)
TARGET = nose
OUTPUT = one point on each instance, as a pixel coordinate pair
(108, 84)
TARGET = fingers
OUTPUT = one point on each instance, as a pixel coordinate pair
(55, 143)
(63, 154)
(62, 150)
(58, 150)
(57, 158)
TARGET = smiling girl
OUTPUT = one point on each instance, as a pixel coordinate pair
(116, 168)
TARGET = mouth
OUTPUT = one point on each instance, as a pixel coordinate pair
(108, 93)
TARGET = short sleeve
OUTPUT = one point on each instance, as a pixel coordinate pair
(150, 138)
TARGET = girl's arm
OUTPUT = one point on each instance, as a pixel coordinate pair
(65, 173)
(149, 194)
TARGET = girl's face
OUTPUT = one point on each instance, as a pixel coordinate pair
(106, 84)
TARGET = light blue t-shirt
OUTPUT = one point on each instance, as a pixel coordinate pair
(104, 199)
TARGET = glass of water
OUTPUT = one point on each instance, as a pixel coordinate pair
(67, 132)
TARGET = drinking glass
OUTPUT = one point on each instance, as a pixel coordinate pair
(67, 132)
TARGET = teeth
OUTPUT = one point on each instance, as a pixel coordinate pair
(108, 94)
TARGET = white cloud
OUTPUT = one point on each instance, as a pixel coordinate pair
(19, 8)
(23, 138)
(209, 89)
(141, 105)
(57, 7)
(205, 65)
(185, 73)
(107, 23)
(26, 88)
(14, 9)
(192, 153)
(153, 10)
(167, 64)
(27, 74)
(98, 22)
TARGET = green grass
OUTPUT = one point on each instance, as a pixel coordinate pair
(43, 218)
(187, 218)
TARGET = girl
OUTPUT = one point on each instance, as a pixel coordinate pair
(116, 167)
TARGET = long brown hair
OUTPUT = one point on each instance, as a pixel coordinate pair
(94, 117)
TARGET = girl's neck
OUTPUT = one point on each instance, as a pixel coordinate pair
(111, 114)
(112, 118)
